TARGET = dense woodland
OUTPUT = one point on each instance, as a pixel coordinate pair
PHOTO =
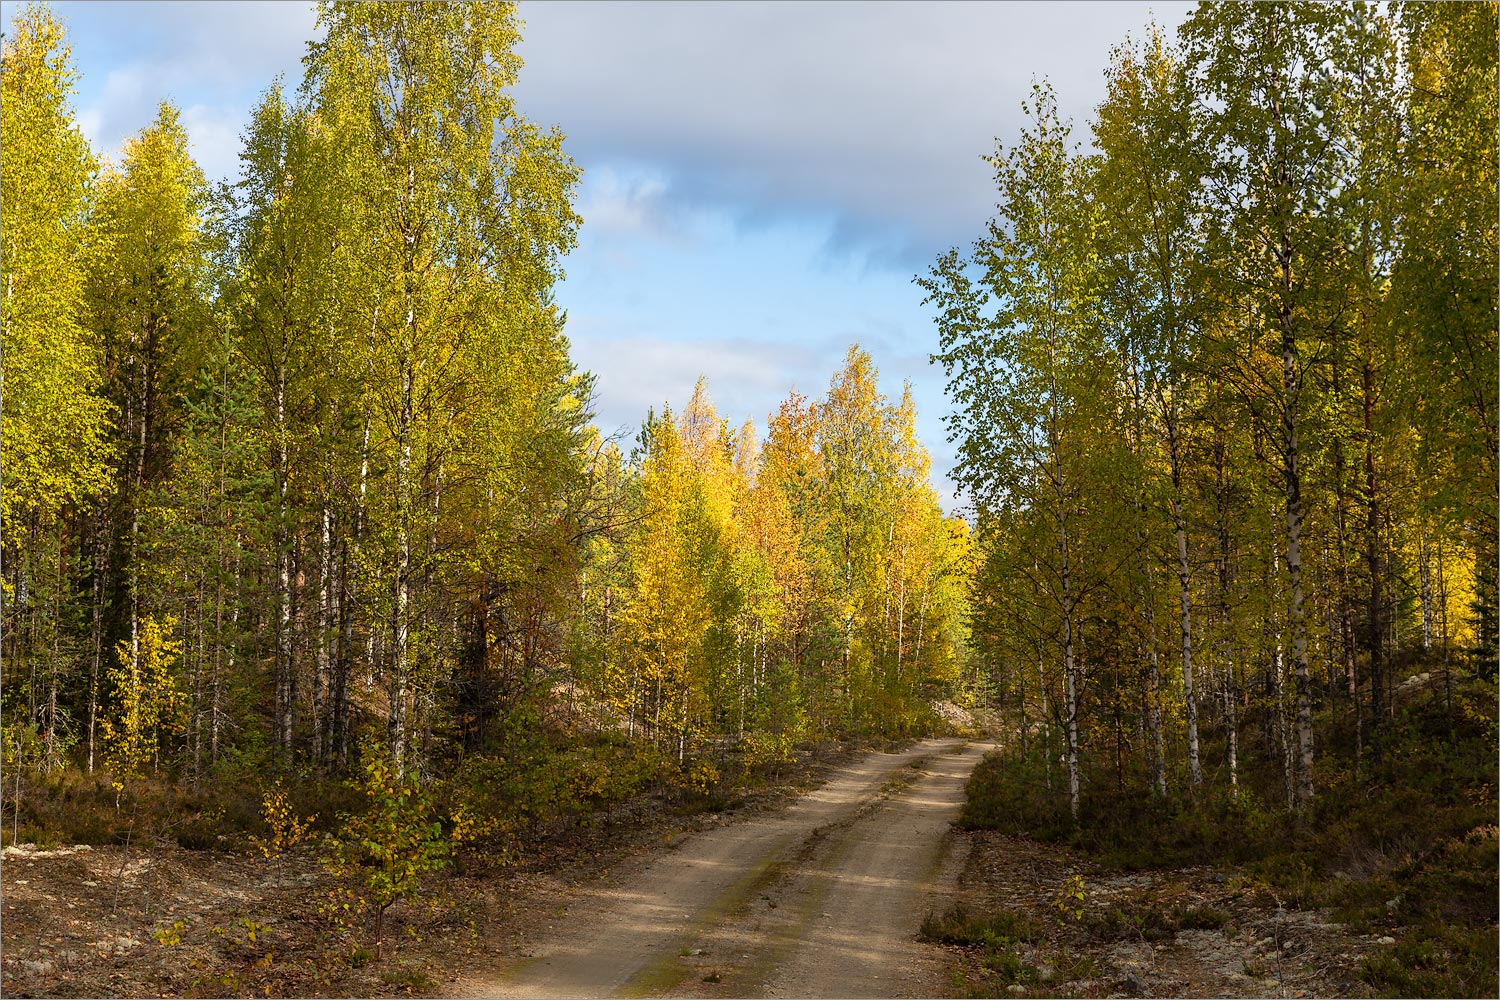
(1223, 378)
(1224, 381)
(300, 483)
(307, 529)
(298, 473)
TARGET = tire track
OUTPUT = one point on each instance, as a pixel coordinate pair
(633, 935)
(845, 922)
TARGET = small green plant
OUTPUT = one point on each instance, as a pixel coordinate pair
(388, 849)
(170, 935)
(1199, 918)
(285, 829)
(410, 978)
(1070, 898)
(151, 702)
(768, 750)
(1000, 928)
(253, 929)
(1434, 959)
(702, 777)
(1151, 922)
(1009, 968)
(1070, 966)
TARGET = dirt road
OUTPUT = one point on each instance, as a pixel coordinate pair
(821, 899)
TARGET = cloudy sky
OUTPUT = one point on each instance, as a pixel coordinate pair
(761, 180)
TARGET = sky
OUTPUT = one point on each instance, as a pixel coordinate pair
(761, 181)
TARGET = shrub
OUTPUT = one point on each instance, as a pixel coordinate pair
(389, 848)
(284, 829)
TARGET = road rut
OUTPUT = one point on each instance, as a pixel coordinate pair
(821, 899)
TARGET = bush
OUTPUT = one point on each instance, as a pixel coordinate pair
(1152, 922)
(388, 849)
(1010, 794)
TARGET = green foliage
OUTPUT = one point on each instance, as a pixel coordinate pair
(1434, 960)
(768, 750)
(54, 422)
(170, 935)
(1199, 348)
(24, 746)
(284, 830)
(1151, 922)
(348, 442)
(414, 980)
(150, 699)
(996, 929)
(1411, 852)
(386, 850)
(1071, 898)
(1011, 948)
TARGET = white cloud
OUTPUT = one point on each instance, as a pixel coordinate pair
(210, 59)
(125, 96)
(706, 131)
(877, 112)
(640, 371)
(214, 135)
(619, 203)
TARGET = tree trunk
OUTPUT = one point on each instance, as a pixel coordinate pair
(1291, 383)
(1372, 557)
(1226, 622)
(96, 659)
(322, 714)
(1292, 478)
(1184, 581)
(1425, 570)
(396, 723)
(1070, 679)
(282, 669)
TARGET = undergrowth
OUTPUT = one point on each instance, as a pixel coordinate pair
(1008, 947)
(1407, 849)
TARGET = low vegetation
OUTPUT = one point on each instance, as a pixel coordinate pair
(1010, 948)
(1408, 850)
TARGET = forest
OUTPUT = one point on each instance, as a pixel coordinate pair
(1223, 375)
(298, 470)
(305, 505)
(1224, 386)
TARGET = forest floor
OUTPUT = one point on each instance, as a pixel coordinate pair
(104, 920)
(817, 894)
(1185, 932)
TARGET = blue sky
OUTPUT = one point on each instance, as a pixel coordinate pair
(761, 180)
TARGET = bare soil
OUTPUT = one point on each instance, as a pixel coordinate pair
(822, 899)
(104, 921)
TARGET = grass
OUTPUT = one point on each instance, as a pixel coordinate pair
(1004, 939)
(1436, 960)
(997, 929)
(1407, 850)
(72, 807)
(411, 978)
(1151, 922)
